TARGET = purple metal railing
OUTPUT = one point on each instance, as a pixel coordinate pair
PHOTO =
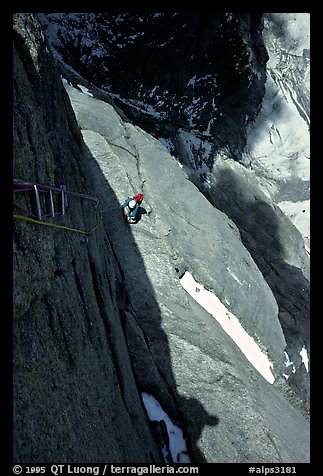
(20, 186)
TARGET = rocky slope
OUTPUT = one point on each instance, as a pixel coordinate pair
(101, 318)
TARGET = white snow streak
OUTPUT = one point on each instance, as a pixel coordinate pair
(230, 325)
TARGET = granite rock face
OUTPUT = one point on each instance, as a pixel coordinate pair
(100, 318)
(279, 251)
(205, 377)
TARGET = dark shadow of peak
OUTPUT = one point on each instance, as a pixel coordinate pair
(199, 419)
(272, 240)
(147, 342)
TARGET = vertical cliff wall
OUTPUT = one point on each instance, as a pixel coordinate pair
(75, 396)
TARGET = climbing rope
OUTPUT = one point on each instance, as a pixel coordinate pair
(38, 222)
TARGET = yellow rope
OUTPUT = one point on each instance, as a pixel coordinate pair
(85, 232)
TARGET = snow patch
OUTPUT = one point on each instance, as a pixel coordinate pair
(144, 108)
(177, 444)
(304, 355)
(230, 325)
(85, 90)
(193, 150)
(279, 138)
(288, 362)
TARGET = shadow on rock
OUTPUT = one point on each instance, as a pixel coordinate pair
(141, 320)
(199, 418)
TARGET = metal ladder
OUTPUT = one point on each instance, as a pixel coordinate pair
(21, 186)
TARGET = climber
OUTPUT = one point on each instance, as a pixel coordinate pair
(131, 205)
